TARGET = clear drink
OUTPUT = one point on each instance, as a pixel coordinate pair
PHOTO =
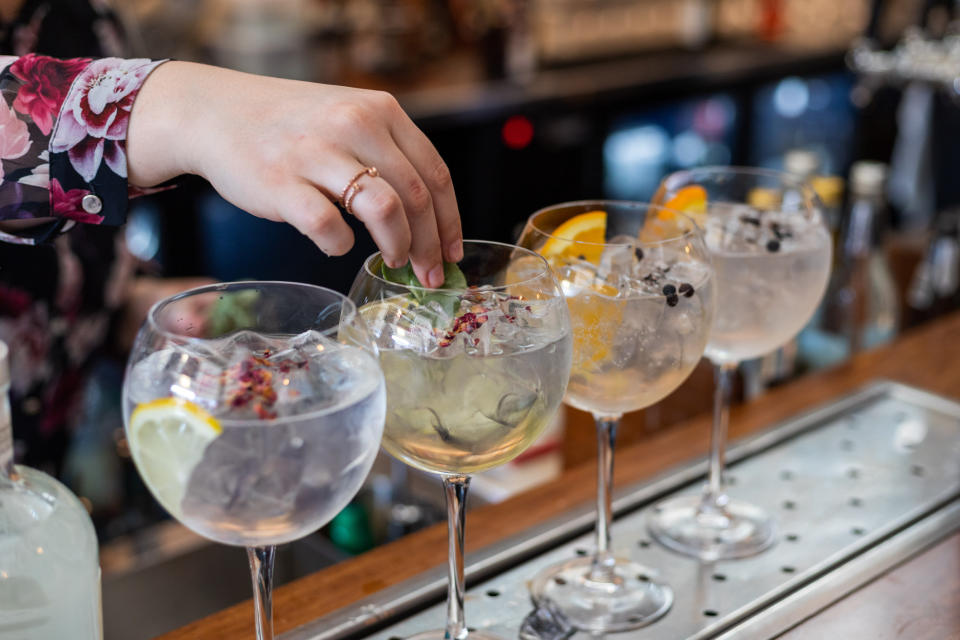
(634, 344)
(474, 371)
(49, 570)
(284, 462)
(480, 396)
(771, 252)
(639, 287)
(49, 564)
(772, 270)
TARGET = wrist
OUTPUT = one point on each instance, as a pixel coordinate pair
(159, 128)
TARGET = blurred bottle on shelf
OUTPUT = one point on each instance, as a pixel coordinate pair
(49, 565)
(830, 191)
(268, 38)
(935, 286)
(520, 56)
(805, 164)
(861, 307)
(697, 28)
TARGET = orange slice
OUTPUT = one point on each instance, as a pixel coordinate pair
(567, 239)
(690, 200)
(595, 320)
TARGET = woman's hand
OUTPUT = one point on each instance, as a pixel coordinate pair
(286, 150)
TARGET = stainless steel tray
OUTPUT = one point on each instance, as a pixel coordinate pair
(857, 486)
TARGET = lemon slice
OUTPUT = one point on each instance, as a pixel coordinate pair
(590, 227)
(167, 438)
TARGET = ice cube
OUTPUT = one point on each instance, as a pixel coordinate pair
(145, 382)
(300, 347)
(617, 258)
(239, 346)
(683, 324)
(247, 475)
(524, 267)
(435, 314)
(482, 382)
(690, 272)
(623, 347)
(622, 238)
(576, 277)
(190, 372)
(317, 372)
(481, 341)
(402, 324)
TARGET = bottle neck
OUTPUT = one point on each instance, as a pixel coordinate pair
(6, 436)
(864, 226)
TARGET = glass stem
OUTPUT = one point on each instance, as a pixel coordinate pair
(714, 497)
(602, 567)
(455, 488)
(261, 571)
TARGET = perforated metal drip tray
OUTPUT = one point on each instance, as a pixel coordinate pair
(856, 486)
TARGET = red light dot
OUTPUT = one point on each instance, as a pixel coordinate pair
(517, 132)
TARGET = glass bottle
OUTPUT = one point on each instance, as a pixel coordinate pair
(935, 286)
(49, 567)
(830, 190)
(861, 309)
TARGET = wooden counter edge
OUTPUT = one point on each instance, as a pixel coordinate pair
(928, 357)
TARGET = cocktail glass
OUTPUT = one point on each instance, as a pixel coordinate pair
(254, 411)
(771, 251)
(639, 285)
(474, 373)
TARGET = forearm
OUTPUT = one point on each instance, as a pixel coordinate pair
(279, 149)
(178, 110)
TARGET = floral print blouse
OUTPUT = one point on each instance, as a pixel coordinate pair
(63, 134)
(63, 125)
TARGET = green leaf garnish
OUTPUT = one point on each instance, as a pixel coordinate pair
(233, 311)
(450, 303)
(402, 275)
(453, 278)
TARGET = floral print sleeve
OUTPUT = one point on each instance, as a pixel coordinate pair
(63, 129)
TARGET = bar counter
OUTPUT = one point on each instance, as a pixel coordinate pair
(927, 357)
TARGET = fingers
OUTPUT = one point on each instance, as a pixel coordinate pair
(381, 210)
(313, 215)
(410, 208)
(425, 252)
(375, 203)
(436, 176)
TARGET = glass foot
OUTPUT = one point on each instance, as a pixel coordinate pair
(629, 601)
(440, 634)
(737, 530)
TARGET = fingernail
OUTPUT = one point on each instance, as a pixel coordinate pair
(436, 276)
(455, 251)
